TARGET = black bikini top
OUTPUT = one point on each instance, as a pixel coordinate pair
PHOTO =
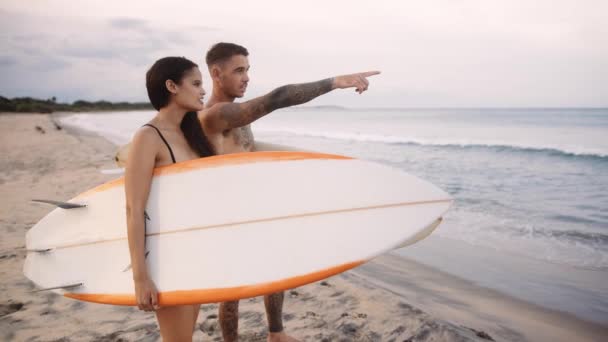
(164, 140)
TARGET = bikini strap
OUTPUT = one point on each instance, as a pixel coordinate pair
(165, 141)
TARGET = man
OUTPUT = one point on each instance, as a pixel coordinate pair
(227, 127)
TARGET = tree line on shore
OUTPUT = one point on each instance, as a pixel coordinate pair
(33, 105)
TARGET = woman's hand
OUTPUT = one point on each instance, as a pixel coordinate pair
(146, 294)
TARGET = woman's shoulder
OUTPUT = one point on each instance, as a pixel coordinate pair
(145, 138)
(145, 132)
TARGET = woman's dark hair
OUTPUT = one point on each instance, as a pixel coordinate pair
(193, 131)
(168, 68)
(174, 69)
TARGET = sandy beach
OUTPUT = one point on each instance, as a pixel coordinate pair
(388, 299)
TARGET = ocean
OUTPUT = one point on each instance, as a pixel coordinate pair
(530, 216)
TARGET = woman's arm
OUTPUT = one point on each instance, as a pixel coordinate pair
(138, 176)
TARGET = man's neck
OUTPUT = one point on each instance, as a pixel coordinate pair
(218, 96)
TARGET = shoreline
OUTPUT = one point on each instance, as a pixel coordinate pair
(355, 305)
(579, 292)
(446, 296)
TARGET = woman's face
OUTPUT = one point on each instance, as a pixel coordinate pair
(189, 93)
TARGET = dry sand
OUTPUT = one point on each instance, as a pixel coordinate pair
(390, 299)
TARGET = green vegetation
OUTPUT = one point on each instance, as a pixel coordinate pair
(32, 105)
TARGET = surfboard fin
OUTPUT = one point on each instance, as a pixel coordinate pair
(129, 265)
(41, 250)
(65, 287)
(62, 205)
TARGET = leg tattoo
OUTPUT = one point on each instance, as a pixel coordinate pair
(229, 321)
(274, 311)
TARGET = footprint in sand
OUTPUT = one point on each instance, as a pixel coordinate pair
(252, 318)
(8, 256)
(210, 325)
(7, 309)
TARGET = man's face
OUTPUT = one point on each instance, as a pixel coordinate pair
(233, 76)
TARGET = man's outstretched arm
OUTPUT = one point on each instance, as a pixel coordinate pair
(225, 116)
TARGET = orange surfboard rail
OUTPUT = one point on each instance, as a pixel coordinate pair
(204, 296)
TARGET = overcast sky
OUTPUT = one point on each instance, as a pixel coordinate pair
(444, 53)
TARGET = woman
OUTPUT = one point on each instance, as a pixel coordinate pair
(175, 89)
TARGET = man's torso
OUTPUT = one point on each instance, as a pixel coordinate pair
(235, 140)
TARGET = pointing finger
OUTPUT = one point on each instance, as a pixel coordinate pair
(369, 73)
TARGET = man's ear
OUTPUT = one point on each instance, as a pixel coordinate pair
(171, 86)
(215, 72)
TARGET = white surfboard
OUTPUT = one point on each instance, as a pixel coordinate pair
(234, 226)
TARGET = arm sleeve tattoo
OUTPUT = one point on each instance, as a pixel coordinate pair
(235, 115)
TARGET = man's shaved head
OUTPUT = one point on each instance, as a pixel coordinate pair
(222, 52)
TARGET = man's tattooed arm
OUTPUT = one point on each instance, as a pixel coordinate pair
(224, 116)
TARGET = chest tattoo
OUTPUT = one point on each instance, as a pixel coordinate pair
(243, 137)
